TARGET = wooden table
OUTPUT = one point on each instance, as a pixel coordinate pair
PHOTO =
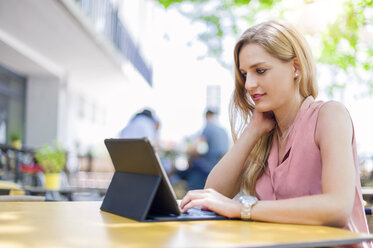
(82, 224)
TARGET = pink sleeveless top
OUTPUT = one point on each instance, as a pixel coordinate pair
(300, 173)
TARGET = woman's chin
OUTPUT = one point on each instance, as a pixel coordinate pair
(262, 108)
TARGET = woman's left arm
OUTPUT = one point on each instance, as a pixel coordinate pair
(333, 207)
(334, 136)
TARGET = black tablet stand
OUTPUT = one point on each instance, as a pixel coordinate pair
(131, 195)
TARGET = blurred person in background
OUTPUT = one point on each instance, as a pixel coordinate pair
(211, 146)
(144, 124)
(294, 158)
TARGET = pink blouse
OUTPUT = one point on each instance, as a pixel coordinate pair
(299, 174)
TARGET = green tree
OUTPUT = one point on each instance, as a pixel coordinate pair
(341, 45)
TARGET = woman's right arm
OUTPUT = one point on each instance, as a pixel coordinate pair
(225, 177)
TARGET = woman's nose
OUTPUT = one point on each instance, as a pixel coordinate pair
(250, 84)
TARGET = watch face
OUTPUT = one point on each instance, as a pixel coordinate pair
(248, 200)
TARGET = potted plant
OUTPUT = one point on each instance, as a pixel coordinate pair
(16, 140)
(53, 160)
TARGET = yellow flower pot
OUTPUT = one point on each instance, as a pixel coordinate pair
(17, 144)
(52, 181)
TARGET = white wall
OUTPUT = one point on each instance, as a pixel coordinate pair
(42, 99)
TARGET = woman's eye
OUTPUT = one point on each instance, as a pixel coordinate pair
(260, 70)
(244, 75)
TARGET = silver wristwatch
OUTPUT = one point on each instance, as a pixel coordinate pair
(247, 202)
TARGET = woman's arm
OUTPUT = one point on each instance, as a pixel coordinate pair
(225, 176)
(333, 207)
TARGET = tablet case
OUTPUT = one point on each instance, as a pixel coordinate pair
(131, 195)
(136, 192)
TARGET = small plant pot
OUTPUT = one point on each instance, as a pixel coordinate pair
(17, 144)
(52, 181)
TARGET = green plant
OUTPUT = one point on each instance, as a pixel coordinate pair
(15, 136)
(51, 158)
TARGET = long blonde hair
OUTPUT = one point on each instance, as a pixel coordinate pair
(283, 42)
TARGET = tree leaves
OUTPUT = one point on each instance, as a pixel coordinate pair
(341, 45)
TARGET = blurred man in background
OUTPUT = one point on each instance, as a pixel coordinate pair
(213, 144)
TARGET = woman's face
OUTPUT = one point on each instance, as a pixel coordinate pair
(268, 80)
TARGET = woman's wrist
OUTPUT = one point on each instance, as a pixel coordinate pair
(236, 211)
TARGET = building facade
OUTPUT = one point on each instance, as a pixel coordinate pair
(66, 69)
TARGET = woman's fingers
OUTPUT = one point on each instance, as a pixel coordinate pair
(193, 203)
(211, 200)
(191, 195)
(265, 121)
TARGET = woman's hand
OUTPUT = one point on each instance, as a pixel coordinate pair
(262, 122)
(209, 199)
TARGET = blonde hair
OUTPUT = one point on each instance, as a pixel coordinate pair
(284, 42)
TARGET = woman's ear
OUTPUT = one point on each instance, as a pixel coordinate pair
(296, 67)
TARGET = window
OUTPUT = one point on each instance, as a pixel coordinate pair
(12, 105)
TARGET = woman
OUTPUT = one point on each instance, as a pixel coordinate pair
(296, 155)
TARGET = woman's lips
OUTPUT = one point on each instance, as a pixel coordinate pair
(257, 97)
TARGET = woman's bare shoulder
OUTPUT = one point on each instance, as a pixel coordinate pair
(333, 120)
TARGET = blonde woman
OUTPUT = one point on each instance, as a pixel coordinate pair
(295, 156)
